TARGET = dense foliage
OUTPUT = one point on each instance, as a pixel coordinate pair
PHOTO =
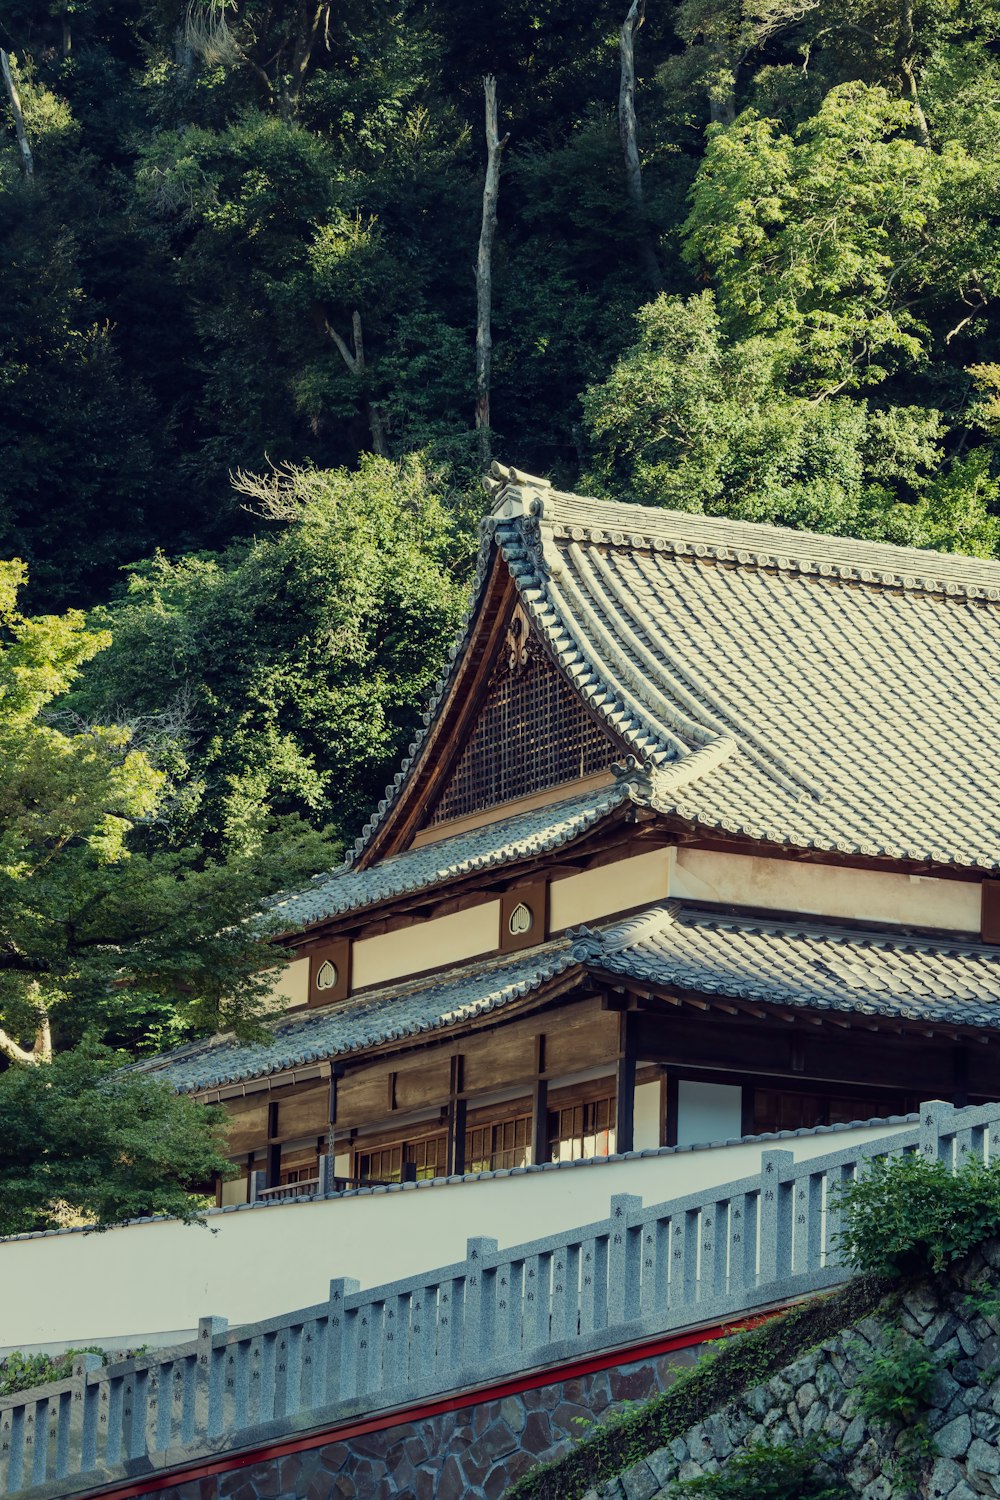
(220, 186)
(83, 1141)
(102, 927)
(766, 1471)
(109, 927)
(285, 674)
(910, 1216)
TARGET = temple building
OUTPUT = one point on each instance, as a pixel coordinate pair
(701, 838)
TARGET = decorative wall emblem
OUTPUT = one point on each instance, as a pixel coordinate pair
(523, 916)
(330, 972)
(520, 920)
(517, 640)
(327, 976)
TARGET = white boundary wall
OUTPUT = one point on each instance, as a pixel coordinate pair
(148, 1283)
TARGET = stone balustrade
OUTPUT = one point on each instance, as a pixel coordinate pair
(641, 1271)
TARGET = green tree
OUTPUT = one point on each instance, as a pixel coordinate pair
(99, 931)
(299, 662)
(848, 236)
(82, 1140)
(692, 420)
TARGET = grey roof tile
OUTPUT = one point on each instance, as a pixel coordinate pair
(504, 842)
(858, 681)
(802, 964)
(391, 1014)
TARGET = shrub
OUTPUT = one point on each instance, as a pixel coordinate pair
(909, 1216)
(895, 1386)
(20, 1372)
(766, 1472)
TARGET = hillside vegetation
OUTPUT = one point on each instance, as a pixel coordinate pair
(238, 239)
(239, 393)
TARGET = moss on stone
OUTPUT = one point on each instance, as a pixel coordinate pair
(745, 1360)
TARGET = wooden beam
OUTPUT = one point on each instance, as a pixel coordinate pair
(960, 1077)
(540, 1106)
(273, 1164)
(625, 1082)
(456, 1119)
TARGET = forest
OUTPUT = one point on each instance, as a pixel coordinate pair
(243, 427)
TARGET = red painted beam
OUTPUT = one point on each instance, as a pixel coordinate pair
(434, 1406)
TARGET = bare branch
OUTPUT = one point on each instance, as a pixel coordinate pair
(350, 360)
(359, 369)
(10, 1050)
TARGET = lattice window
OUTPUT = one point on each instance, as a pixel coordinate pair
(385, 1163)
(579, 1131)
(533, 732)
(489, 1148)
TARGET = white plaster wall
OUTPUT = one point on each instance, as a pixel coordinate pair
(646, 1117)
(291, 983)
(708, 1112)
(609, 888)
(149, 1283)
(825, 890)
(426, 945)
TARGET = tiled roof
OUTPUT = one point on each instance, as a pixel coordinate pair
(386, 1015)
(497, 844)
(840, 695)
(798, 964)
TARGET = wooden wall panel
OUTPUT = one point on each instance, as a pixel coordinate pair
(422, 1083)
(495, 1059)
(303, 1113)
(247, 1124)
(362, 1095)
(579, 1037)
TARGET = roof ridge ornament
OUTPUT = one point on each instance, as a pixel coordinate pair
(637, 774)
(514, 493)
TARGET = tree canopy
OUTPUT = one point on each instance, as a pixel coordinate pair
(226, 195)
(105, 922)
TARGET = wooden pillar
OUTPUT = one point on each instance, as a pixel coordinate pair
(747, 1109)
(336, 1073)
(540, 1107)
(273, 1167)
(456, 1119)
(960, 1077)
(673, 1105)
(625, 1081)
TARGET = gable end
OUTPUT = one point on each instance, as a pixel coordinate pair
(532, 732)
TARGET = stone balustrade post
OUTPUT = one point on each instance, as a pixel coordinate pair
(935, 1116)
(83, 1414)
(341, 1352)
(478, 1322)
(775, 1216)
(624, 1259)
(209, 1376)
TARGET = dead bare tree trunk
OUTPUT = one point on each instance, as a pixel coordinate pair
(27, 160)
(722, 94)
(905, 63)
(484, 269)
(359, 369)
(630, 146)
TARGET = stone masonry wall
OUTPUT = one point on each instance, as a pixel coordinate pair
(815, 1395)
(475, 1453)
